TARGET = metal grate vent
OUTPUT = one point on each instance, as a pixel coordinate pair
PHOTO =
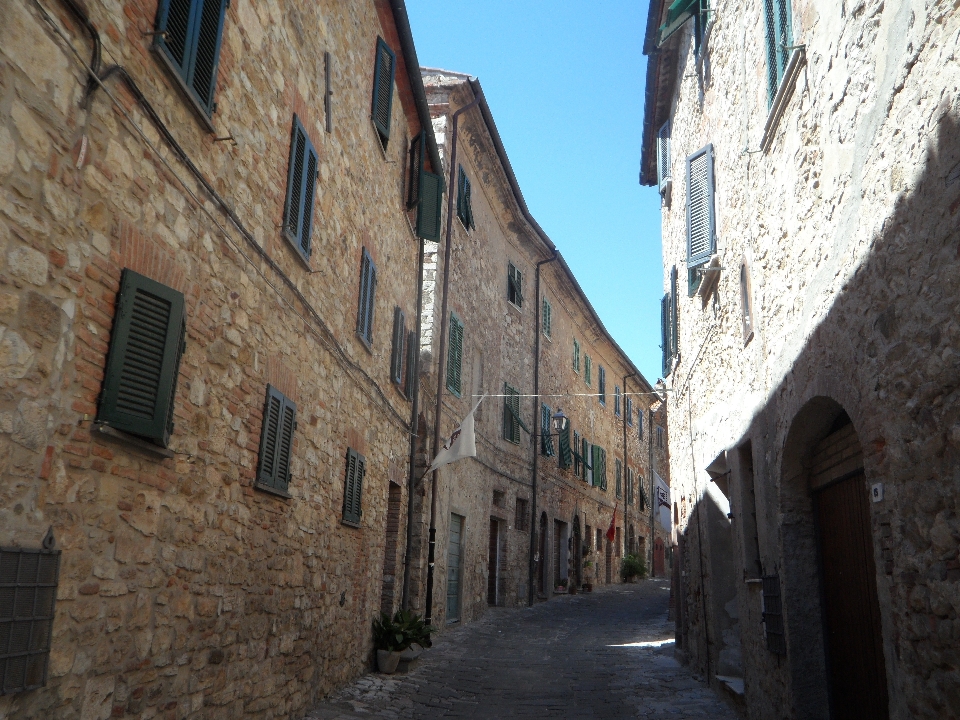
(28, 593)
(773, 615)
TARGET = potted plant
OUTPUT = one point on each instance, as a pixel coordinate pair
(588, 575)
(399, 639)
(561, 586)
(632, 567)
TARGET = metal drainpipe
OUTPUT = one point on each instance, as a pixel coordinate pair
(623, 409)
(536, 433)
(653, 491)
(414, 432)
(441, 360)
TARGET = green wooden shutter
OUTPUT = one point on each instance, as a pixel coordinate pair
(429, 209)
(412, 350)
(396, 353)
(566, 455)
(301, 185)
(383, 72)
(514, 285)
(576, 357)
(665, 342)
(603, 469)
(146, 344)
(368, 287)
(577, 457)
(587, 454)
(587, 370)
(416, 168)
(462, 196)
(602, 384)
(470, 223)
(511, 415)
(779, 35)
(664, 172)
(546, 439)
(276, 440)
(701, 231)
(618, 477)
(677, 14)
(674, 314)
(189, 33)
(353, 487)
(209, 34)
(547, 320)
(628, 410)
(455, 355)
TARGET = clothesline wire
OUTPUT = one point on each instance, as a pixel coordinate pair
(563, 395)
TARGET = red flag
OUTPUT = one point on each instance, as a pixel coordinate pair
(612, 531)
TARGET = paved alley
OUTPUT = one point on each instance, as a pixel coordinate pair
(606, 654)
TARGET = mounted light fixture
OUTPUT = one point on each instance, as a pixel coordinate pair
(559, 421)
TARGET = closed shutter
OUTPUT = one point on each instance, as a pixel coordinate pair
(416, 168)
(566, 453)
(547, 320)
(628, 411)
(665, 342)
(779, 35)
(368, 288)
(677, 14)
(397, 354)
(189, 33)
(587, 369)
(663, 156)
(511, 415)
(464, 201)
(455, 356)
(701, 236)
(599, 467)
(276, 441)
(383, 72)
(616, 400)
(674, 314)
(618, 478)
(470, 224)
(576, 357)
(301, 183)
(353, 487)
(146, 344)
(602, 385)
(588, 465)
(429, 209)
(577, 457)
(546, 439)
(412, 349)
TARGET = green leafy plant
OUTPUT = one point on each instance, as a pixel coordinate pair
(632, 566)
(400, 631)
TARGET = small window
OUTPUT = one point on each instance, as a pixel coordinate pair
(659, 437)
(146, 344)
(301, 185)
(464, 202)
(397, 354)
(640, 424)
(455, 356)
(746, 302)
(511, 415)
(499, 496)
(353, 488)
(576, 357)
(547, 320)
(522, 521)
(546, 439)
(276, 442)
(383, 71)
(628, 411)
(577, 457)
(566, 452)
(664, 178)
(779, 39)
(410, 377)
(514, 285)
(368, 291)
(701, 232)
(618, 477)
(587, 370)
(602, 385)
(616, 400)
(188, 35)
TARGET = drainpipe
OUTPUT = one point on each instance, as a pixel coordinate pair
(623, 409)
(441, 360)
(653, 490)
(414, 432)
(536, 433)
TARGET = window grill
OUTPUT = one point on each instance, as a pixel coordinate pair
(28, 593)
(773, 615)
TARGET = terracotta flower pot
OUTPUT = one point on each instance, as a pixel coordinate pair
(387, 661)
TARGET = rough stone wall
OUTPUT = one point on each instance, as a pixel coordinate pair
(848, 222)
(498, 347)
(184, 592)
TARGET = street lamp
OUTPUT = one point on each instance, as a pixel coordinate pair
(559, 421)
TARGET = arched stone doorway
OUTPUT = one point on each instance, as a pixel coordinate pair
(831, 606)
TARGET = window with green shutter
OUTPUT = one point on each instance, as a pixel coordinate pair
(353, 488)
(616, 400)
(588, 458)
(577, 457)
(643, 492)
(399, 339)
(368, 291)
(429, 209)
(410, 376)
(464, 202)
(640, 424)
(576, 357)
(599, 467)
(514, 285)
(547, 317)
(455, 355)
(628, 411)
(546, 439)
(628, 486)
(511, 415)
(417, 146)
(188, 35)
(602, 385)
(701, 220)
(146, 344)
(587, 370)
(566, 453)
(383, 72)
(276, 442)
(664, 172)
(779, 29)
(301, 186)
(618, 477)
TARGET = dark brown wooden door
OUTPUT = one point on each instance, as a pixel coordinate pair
(855, 665)
(542, 553)
(493, 567)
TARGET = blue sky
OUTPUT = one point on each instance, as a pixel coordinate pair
(564, 81)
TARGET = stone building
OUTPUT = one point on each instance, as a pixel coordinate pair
(808, 157)
(511, 294)
(208, 229)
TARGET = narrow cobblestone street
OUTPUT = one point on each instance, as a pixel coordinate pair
(607, 654)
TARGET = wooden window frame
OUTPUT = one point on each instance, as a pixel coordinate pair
(514, 285)
(301, 191)
(367, 300)
(381, 115)
(355, 471)
(454, 369)
(277, 431)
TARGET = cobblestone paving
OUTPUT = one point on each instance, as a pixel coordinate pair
(606, 654)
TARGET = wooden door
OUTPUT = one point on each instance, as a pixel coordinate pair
(454, 558)
(855, 664)
(493, 565)
(557, 539)
(658, 558)
(542, 553)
